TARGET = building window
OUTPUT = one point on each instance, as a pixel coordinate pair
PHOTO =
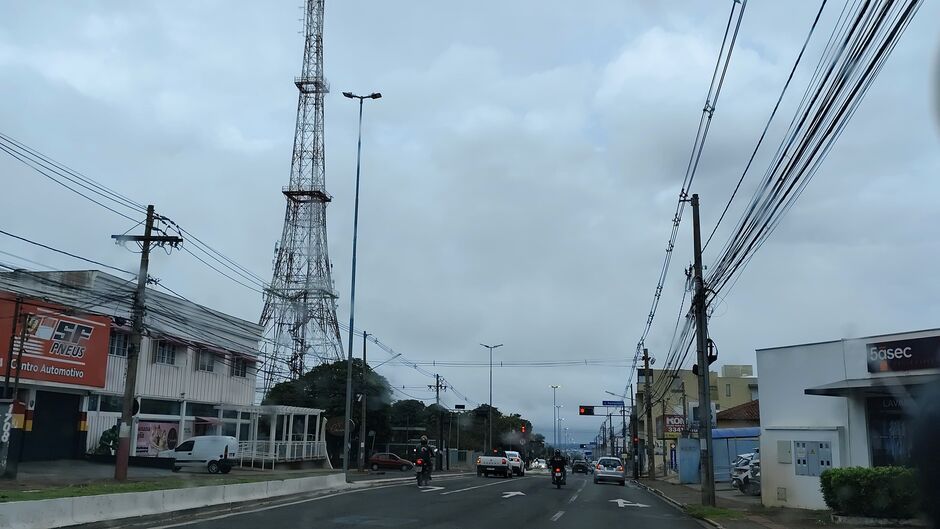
(164, 353)
(159, 407)
(117, 346)
(93, 403)
(205, 360)
(727, 390)
(239, 367)
(195, 409)
(111, 403)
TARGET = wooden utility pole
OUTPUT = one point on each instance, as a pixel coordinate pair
(133, 349)
(704, 394)
(650, 448)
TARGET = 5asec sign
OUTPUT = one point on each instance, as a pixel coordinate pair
(903, 355)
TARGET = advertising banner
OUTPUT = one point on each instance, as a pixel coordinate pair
(903, 355)
(673, 427)
(59, 346)
(154, 436)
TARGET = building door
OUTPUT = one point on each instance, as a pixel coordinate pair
(55, 427)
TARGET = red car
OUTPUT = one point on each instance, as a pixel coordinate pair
(385, 460)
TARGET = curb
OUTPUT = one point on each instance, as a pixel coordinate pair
(675, 503)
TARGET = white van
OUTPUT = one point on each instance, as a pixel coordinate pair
(215, 453)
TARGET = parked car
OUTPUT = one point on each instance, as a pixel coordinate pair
(215, 453)
(581, 466)
(389, 461)
(515, 462)
(539, 463)
(610, 469)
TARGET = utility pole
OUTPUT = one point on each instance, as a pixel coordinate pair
(363, 432)
(133, 349)
(650, 449)
(634, 438)
(623, 427)
(16, 318)
(665, 455)
(704, 395)
(554, 416)
(489, 443)
(440, 419)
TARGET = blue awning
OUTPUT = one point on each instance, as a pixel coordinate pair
(728, 433)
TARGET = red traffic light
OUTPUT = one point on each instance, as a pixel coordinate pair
(586, 410)
(523, 428)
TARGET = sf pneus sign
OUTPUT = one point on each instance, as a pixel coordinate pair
(903, 355)
(61, 346)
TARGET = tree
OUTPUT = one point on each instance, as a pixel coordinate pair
(324, 387)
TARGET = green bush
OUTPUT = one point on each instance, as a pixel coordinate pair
(882, 492)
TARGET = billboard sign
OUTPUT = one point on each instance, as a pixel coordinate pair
(154, 436)
(903, 355)
(59, 347)
(674, 424)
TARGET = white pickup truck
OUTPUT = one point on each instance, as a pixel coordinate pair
(496, 463)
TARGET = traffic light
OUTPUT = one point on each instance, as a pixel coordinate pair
(523, 428)
(586, 410)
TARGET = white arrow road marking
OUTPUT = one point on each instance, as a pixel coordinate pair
(513, 493)
(558, 515)
(429, 488)
(628, 503)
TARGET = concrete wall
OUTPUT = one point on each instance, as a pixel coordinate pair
(86, 509)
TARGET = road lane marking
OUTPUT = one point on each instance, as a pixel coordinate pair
(477, 487)
(430, 488)
(573, 498)
(558, 515)
(513, 493)
(627, 503)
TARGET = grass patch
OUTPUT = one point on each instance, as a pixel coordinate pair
(712, 513)
(114, 487)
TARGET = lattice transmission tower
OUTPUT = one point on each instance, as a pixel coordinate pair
(299, 312)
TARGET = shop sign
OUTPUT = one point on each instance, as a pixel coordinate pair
(59, 347)
(334, 426)
(903, 355)
(154, 437)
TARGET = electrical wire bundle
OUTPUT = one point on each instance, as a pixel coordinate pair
(864, 37)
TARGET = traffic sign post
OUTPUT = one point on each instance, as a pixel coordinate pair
(617, 403)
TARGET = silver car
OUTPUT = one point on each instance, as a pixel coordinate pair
(610, 469)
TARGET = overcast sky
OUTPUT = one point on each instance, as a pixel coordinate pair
(519, 174)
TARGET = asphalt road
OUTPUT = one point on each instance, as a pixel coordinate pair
(467, 502)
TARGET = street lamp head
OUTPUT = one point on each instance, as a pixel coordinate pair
(350, 95)
(375, 95)
(556, 386)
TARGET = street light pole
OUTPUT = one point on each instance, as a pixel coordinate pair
(489, 444)
(352, 289)
(554, 415)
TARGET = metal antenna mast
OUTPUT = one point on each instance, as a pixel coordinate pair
(299, 312)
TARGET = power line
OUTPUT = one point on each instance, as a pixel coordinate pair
(63, 252)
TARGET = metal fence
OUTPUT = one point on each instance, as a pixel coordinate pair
(265, 454)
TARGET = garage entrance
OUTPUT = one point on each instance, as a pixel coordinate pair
(55, 427)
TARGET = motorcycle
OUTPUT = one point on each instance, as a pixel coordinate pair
(557, 477)
(749, 482)
(422, 472)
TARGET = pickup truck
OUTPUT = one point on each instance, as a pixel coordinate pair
(496, 463)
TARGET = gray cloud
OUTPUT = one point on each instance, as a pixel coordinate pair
(519, 174)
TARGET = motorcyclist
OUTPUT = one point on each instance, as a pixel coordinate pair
(558, 461)
(426, 454)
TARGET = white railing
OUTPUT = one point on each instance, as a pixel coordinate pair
(268, 453)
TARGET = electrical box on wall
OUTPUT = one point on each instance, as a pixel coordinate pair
(812, 457)
(785, 452)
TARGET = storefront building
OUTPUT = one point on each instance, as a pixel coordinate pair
(841, 403)
(196, 370)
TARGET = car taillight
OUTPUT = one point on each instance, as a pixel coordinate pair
(504, 461)
(420, 462)
(598, 467)
(619, 469)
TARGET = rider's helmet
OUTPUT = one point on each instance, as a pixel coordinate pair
(424, 440)
(557, 452)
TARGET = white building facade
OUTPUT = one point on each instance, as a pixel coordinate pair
(840, 403)
(195, 375)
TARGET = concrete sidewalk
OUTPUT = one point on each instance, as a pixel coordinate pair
(741, 512)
